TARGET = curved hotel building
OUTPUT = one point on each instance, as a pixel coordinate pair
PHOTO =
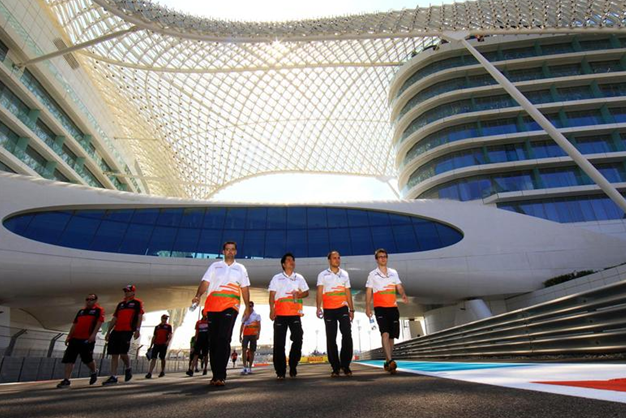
(458, 135)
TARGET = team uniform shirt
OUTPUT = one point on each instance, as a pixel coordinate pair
(252, 325)
(128, 313)
(162, 333)
(336, 287)
(384, 287)
(202, 328)
(85, 322)
(225, 283)
(284, 286)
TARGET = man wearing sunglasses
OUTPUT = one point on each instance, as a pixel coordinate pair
(125, 325)
(81, 340)
(383, 284)
(248, 336)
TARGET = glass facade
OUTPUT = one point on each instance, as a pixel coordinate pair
(568, 209)
(260, 232)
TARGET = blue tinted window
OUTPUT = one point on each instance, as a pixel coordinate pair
(235, 218)
(192, 218)
(187, 240)
(361, 241)
(214, 218)
(405, 238)
(254, 244)
(92, 214)
(162, 241)
(137, 238)
(276, 218)
(296, 218)
(170, 217)
(235, 235)
(256, 218)
(316, 217)
(210, 243)
(378, 218)
(296, 243)
(318, 242)
(399, 219)
(447, 235)
(275, 243)
(109, 236)
(80, 232)
(18, 224)
(357, 217)
(427, 236)
(339, 240)
(145, 216)
(337, 218)
(383, 238)
(48, 227)
(121, 215)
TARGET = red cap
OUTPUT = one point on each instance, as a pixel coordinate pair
(130, 288)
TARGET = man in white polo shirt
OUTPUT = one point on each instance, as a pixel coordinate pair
(383, 284)
(287, 289)
(227, 283)
(249, 333)
(333, 292)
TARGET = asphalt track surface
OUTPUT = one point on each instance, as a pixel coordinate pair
(368, 393)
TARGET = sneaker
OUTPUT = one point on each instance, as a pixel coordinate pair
(190, 373)
(347, 371)
(293, 372)
(280, 377)
(197, 370)
(65, 384)
(128, 374)
(249, 370)
(244, 371)
(204, 373)
(335, 373)
(149, 376)
(93, 377)
(213, 382)
(110, 381)
(386, 366)
(220, 383)
(162, 373)
(392, 366)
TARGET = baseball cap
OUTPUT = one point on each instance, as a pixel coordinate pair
(130, 288)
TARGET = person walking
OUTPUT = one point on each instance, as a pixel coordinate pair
(125, 325)
(81, 340)
(227, 283)
(233, 357)
(249, 333)
(160, 340)
(382, 286)
(287, 289)
(333, 293)
(201, 345)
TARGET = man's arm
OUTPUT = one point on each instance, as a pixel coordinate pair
(318, 300)
(368, 301)
(245, 295)
(400, 289)
(202, 288)
(272, 302)
(137, 331)
(350, 303)
(93, 335)
(302, 295)
(69, 334)
(111, 326)
(241, 331)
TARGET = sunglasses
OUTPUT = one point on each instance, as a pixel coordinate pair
(90, 299)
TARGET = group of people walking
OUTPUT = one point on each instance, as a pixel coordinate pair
(227, 284)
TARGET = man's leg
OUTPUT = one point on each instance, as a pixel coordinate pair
(152, 365)
(346, 338)
(225, 333)
(330, 323)
(114, 361)
(280, 335)
(244, 347)
(162, 365)
(295, 328)
(214, 328)
(386, 345)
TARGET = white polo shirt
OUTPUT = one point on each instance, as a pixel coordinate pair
(284, 286)
(225, 283)
(384, 287)
(336, 286)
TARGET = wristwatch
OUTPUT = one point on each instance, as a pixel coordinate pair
(352, 310)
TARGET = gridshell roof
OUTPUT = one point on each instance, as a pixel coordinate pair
(203, 103)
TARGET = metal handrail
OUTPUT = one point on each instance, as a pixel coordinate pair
(591, 322)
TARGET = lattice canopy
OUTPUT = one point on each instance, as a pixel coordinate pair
(203, 103)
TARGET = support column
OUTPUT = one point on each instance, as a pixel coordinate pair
(558, 137)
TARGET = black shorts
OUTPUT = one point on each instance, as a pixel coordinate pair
(159, 350)
(201, 347)
(119, 342)
(388, 321)
(79, 347)
(248, 339)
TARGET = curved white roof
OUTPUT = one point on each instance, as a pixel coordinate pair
(203, 103)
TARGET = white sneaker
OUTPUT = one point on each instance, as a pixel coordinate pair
(244, 371)
(249, 370)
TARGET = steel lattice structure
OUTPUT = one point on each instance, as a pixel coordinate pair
(203, 103)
